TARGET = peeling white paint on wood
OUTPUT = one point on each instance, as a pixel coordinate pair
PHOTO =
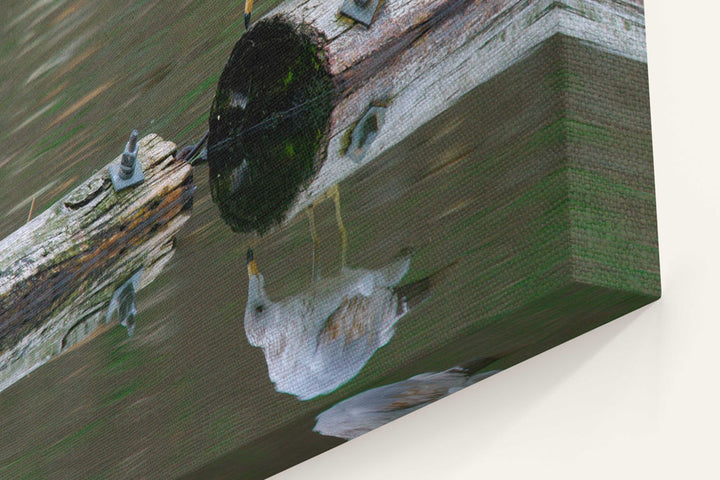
(95, 238)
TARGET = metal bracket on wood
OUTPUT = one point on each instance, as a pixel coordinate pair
(123, 303)
(365, 132)
(128, 173)
(362, 11)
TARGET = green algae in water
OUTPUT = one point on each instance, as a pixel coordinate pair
(268, 124)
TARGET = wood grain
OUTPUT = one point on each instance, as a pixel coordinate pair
(62, 267)
(419, 57)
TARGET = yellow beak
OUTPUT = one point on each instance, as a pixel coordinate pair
(251, 265)
(252, 268)
(248, 12)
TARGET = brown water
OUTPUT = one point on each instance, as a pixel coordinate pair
(188, 393)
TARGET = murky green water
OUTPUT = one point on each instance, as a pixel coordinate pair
(187, 392)
(78, 76)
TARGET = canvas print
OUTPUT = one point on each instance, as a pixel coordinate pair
(236, 234)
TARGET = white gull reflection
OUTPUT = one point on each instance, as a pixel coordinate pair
(319, 339)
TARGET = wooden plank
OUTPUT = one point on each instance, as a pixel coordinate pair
(61, 268)
(419, 57)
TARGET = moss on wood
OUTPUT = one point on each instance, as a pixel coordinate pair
(268, 123)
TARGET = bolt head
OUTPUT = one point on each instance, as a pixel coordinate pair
(120, 181)
(362, 11)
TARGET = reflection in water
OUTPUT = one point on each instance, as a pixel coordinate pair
(83, 283)
(319, 339)
(445, 189)
(123, 305)
(374, 408)
(78, 321)
(267, 124)
(316, 341)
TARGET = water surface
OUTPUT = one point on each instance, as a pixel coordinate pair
(187, 393)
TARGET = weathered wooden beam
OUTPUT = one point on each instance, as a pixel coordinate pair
(419, 57)
(59, 271)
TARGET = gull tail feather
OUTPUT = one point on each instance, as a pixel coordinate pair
(411, 295)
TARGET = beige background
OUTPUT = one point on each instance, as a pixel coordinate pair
(638, 398)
